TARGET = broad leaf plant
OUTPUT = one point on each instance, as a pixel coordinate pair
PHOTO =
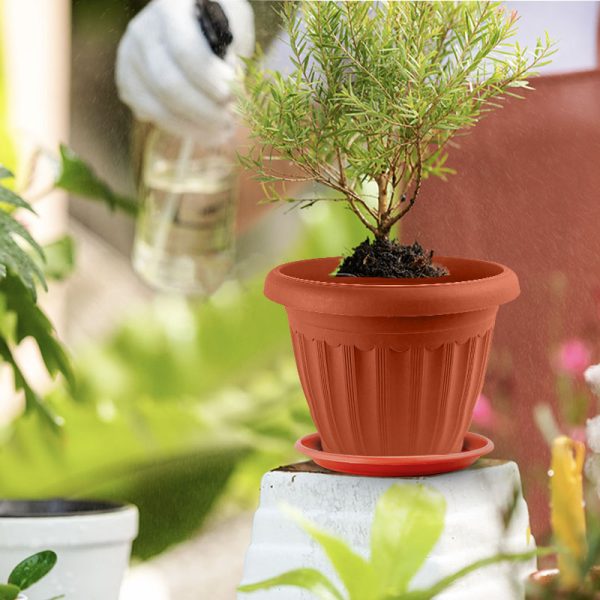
(27, 573)
(20, 316)
(408, 522)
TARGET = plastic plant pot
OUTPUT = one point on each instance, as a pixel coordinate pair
(91, 539)
(392, 367)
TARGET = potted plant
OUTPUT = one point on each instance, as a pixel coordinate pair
(391, 344)
(92, 540)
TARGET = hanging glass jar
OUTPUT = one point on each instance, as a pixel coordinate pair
(185, 231)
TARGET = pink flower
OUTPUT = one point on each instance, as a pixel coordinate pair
(573, 357)
(483, 415)
(578, 434)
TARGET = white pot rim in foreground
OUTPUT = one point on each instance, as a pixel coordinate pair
(60, 523)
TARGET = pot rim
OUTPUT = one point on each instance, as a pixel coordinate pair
(471, 286)
(96, 523)
(24, 508)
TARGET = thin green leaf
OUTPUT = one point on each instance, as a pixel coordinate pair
(32, 569)
(308, 579)
(32, 322)
(355, 572)
(9, 197)
(33, 401)
(14, 258)
(450, 580)
(409, 519)
(5, 173)
(77, 177)
(22, 318)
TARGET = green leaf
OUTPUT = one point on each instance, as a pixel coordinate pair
(32, 400)
(450, 580)
(9, 197)
(32, 322)
(309, 579)
(5, 173)
(179, 492)
(32, 569)
(77, 177)
(355, 572)
(8, 592)
(12, 256)
(22, 318)
(409, 519)
(13, 236)
(60, 258)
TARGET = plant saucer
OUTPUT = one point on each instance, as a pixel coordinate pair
(475, 446)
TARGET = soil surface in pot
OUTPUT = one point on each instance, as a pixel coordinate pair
(389, 258)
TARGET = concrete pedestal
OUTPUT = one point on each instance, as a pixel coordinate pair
(476, 500)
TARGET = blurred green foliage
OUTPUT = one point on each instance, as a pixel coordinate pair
(78, 178)
(408, 523)
(182, 406)
(185, 404)
(22, 269)
(60, 258)
(18, 249)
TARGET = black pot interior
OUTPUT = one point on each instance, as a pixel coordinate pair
(56, 507)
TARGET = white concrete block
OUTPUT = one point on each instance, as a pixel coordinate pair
(476, 500)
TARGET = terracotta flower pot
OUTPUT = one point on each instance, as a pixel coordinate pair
(392, 367)
(92, 540)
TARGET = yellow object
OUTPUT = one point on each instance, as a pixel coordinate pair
(7, 146)
(568, 509)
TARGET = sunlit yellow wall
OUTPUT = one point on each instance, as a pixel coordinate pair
(7, 150)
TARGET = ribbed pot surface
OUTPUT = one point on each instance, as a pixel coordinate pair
(392, 393)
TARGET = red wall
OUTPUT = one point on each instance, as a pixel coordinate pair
(527, 194)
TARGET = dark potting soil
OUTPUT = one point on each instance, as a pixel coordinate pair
(389, 258)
